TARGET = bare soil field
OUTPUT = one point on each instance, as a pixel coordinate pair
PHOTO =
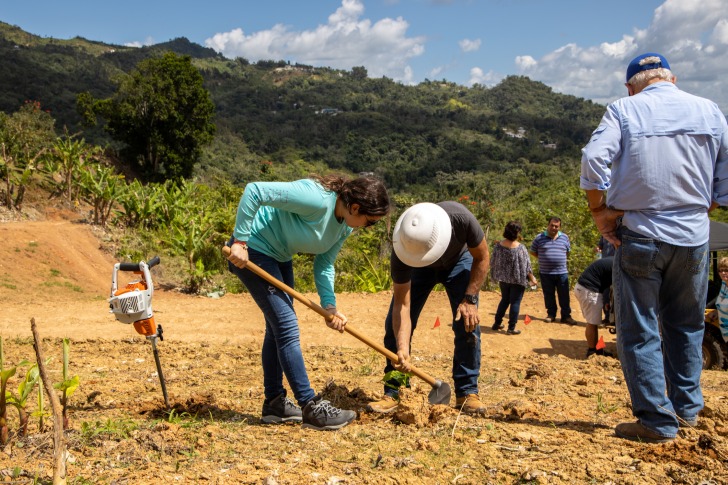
(550, 418)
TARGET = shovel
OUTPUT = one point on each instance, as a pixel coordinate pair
(440, 393)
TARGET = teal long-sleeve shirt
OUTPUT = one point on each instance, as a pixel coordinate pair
(280, 219)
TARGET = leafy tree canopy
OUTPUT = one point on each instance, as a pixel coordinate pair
(162, 114)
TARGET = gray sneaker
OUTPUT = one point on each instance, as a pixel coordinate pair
(280, 409)
(320, 415)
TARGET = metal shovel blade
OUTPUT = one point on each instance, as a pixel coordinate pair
(440, 393)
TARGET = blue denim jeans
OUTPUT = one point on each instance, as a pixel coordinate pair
(511, 295)
(466, 358)
(281, 345)
(553, 284)
(660, 292)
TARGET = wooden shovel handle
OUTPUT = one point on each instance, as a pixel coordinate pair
(317, 308)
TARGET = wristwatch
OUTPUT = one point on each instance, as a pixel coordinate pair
(472, 299)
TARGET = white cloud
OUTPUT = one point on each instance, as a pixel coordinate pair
(691, 34)
(477, 76)
(467, 45)
(347, 40)
(720, 33)
(136, 43)
(526, 62)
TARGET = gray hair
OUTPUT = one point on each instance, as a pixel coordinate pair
(640, 80)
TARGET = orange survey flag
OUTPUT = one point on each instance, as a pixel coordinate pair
(527, 320)
(601, 344)
(437, 322)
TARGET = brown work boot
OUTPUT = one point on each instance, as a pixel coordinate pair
(636, 432)
(470, 404)
(386, 405)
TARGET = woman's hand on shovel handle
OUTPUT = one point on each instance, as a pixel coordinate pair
(338, 320)
(238, 255)
(403, 365)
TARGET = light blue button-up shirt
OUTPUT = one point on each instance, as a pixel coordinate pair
(662, 155)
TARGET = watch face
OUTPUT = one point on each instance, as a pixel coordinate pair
(472, 299)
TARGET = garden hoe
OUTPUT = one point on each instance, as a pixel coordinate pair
(133, 304)
(440, 393)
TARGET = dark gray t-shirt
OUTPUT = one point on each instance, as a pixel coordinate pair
(466, 233)
(597, 276)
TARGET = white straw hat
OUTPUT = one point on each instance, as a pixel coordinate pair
(422, 234)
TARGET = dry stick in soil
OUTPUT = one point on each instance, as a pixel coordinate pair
(59, 445)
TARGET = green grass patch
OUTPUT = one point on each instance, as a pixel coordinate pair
(63, 284)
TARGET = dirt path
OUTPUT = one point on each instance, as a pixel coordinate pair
(550, 419)
(57, 273)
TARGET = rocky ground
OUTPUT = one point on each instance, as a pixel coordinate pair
(550, 417)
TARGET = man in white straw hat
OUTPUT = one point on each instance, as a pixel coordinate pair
(437, 243)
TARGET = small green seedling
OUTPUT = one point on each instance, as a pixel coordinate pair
(68, 386)
(605, 407)
(5, 375)
(40, 411)
(20, 399)
(402, 378)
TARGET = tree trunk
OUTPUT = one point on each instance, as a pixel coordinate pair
(19, 198)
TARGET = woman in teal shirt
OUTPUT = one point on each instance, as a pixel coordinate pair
(276, 220)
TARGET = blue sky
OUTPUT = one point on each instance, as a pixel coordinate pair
(578, 47)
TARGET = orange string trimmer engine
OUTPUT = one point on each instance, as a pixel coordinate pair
(133, 303)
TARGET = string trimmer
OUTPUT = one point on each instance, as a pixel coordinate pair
(440, 393)
(133, 304)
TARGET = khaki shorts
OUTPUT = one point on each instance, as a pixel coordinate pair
(591, 303)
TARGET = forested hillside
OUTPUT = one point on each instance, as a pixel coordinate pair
(506, 152)
(280, 113)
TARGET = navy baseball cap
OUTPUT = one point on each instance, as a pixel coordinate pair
(634, 66)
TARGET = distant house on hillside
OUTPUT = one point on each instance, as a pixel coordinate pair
(328, 111)
(520, 133)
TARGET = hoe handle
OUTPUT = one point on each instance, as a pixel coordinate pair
(317, 308)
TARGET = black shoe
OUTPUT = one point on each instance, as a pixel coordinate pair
(280, 410)
(497, 326)
(590, 352)
(512, 331)
(319, 414)
(568, 321)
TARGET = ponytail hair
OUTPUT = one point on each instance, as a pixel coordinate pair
(369, 192)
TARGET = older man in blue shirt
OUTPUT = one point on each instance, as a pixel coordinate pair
(662, 155)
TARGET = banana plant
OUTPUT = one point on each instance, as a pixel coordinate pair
(5, 375)
(189, 237)
(20, 399)
(70, 157)
(140, 204)
(40, 411)
(374, 277)
(175, 198)
(69, 385)
(102, 187)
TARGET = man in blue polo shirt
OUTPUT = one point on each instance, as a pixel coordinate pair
(551, 247)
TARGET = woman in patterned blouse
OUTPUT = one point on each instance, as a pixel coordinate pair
(510, 266)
